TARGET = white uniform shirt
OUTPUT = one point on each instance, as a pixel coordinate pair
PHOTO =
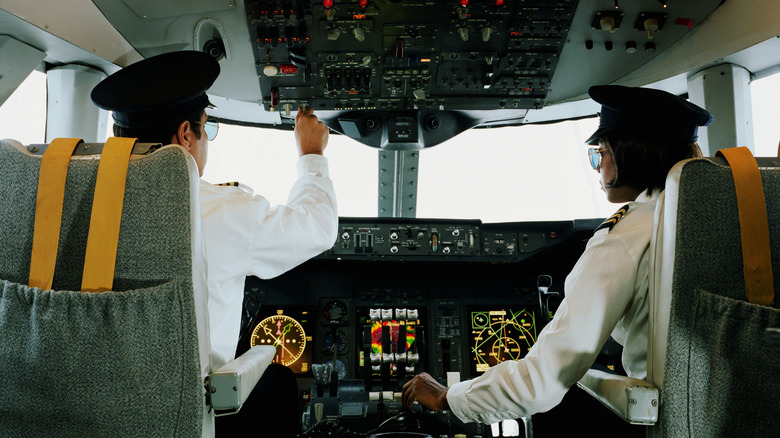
(605, 293)
(245, 236)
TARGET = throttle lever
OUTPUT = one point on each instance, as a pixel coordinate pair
(543, 283)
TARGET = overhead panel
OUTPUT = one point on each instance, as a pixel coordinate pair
(353, 55)
(611, 39)
(370, 61)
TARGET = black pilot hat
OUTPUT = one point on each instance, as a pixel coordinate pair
(647, 112)
(159, 90)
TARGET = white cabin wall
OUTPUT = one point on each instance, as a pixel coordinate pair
(724, 90)
(70, 111)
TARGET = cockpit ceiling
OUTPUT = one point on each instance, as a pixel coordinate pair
(414, 65)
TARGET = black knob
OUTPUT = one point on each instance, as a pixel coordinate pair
(215, 48)
(432, 123)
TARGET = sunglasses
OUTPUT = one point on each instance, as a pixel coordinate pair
(211, 128)
(594, 156)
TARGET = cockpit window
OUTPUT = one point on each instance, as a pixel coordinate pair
(766, 129)
(528, 173)
(510, 174)
(23, 114)
(265, 160)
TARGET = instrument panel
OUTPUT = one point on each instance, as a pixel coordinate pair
(373, 316)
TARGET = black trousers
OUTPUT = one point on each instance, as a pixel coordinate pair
(272, 409)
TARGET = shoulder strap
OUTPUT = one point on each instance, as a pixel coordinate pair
(753, 225)
(103, 239)
(48, 210)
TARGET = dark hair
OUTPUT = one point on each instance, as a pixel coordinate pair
(160, 134)
(642, 162)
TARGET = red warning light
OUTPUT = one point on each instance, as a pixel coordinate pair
(499, 2)
(363, 4)
(684, 22)
(327, 3)
(464, 2)
(288, 68)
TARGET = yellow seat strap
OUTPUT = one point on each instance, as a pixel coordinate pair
(48, 210)
(753, 225)
(100, 259)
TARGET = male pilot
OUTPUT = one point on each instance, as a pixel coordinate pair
(163, 99)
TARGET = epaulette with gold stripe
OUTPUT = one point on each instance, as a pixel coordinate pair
(612, 220)
(228, 184)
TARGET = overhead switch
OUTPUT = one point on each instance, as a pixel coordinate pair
(651, 26)
(334, 33)
(487, 33)
(359, 33)
(607, 23)
(463, 33)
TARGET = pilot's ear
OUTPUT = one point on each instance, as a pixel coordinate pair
(182, 136)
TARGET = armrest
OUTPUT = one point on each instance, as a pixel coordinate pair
(633, 400)
(231, 384)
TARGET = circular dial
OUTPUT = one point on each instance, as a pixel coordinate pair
(335, 310)
(339, 344)
(284, 333)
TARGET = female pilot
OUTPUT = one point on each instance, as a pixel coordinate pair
(642, 133)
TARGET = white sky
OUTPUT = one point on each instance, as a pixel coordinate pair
(528, 173)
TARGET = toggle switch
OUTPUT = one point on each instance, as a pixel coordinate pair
(359, 33)
(334, 33)
(651, 26)
(487, 33)
(463, 33)
(607, 23)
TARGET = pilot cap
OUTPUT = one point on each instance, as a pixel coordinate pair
(645, 111)
(159, 90)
